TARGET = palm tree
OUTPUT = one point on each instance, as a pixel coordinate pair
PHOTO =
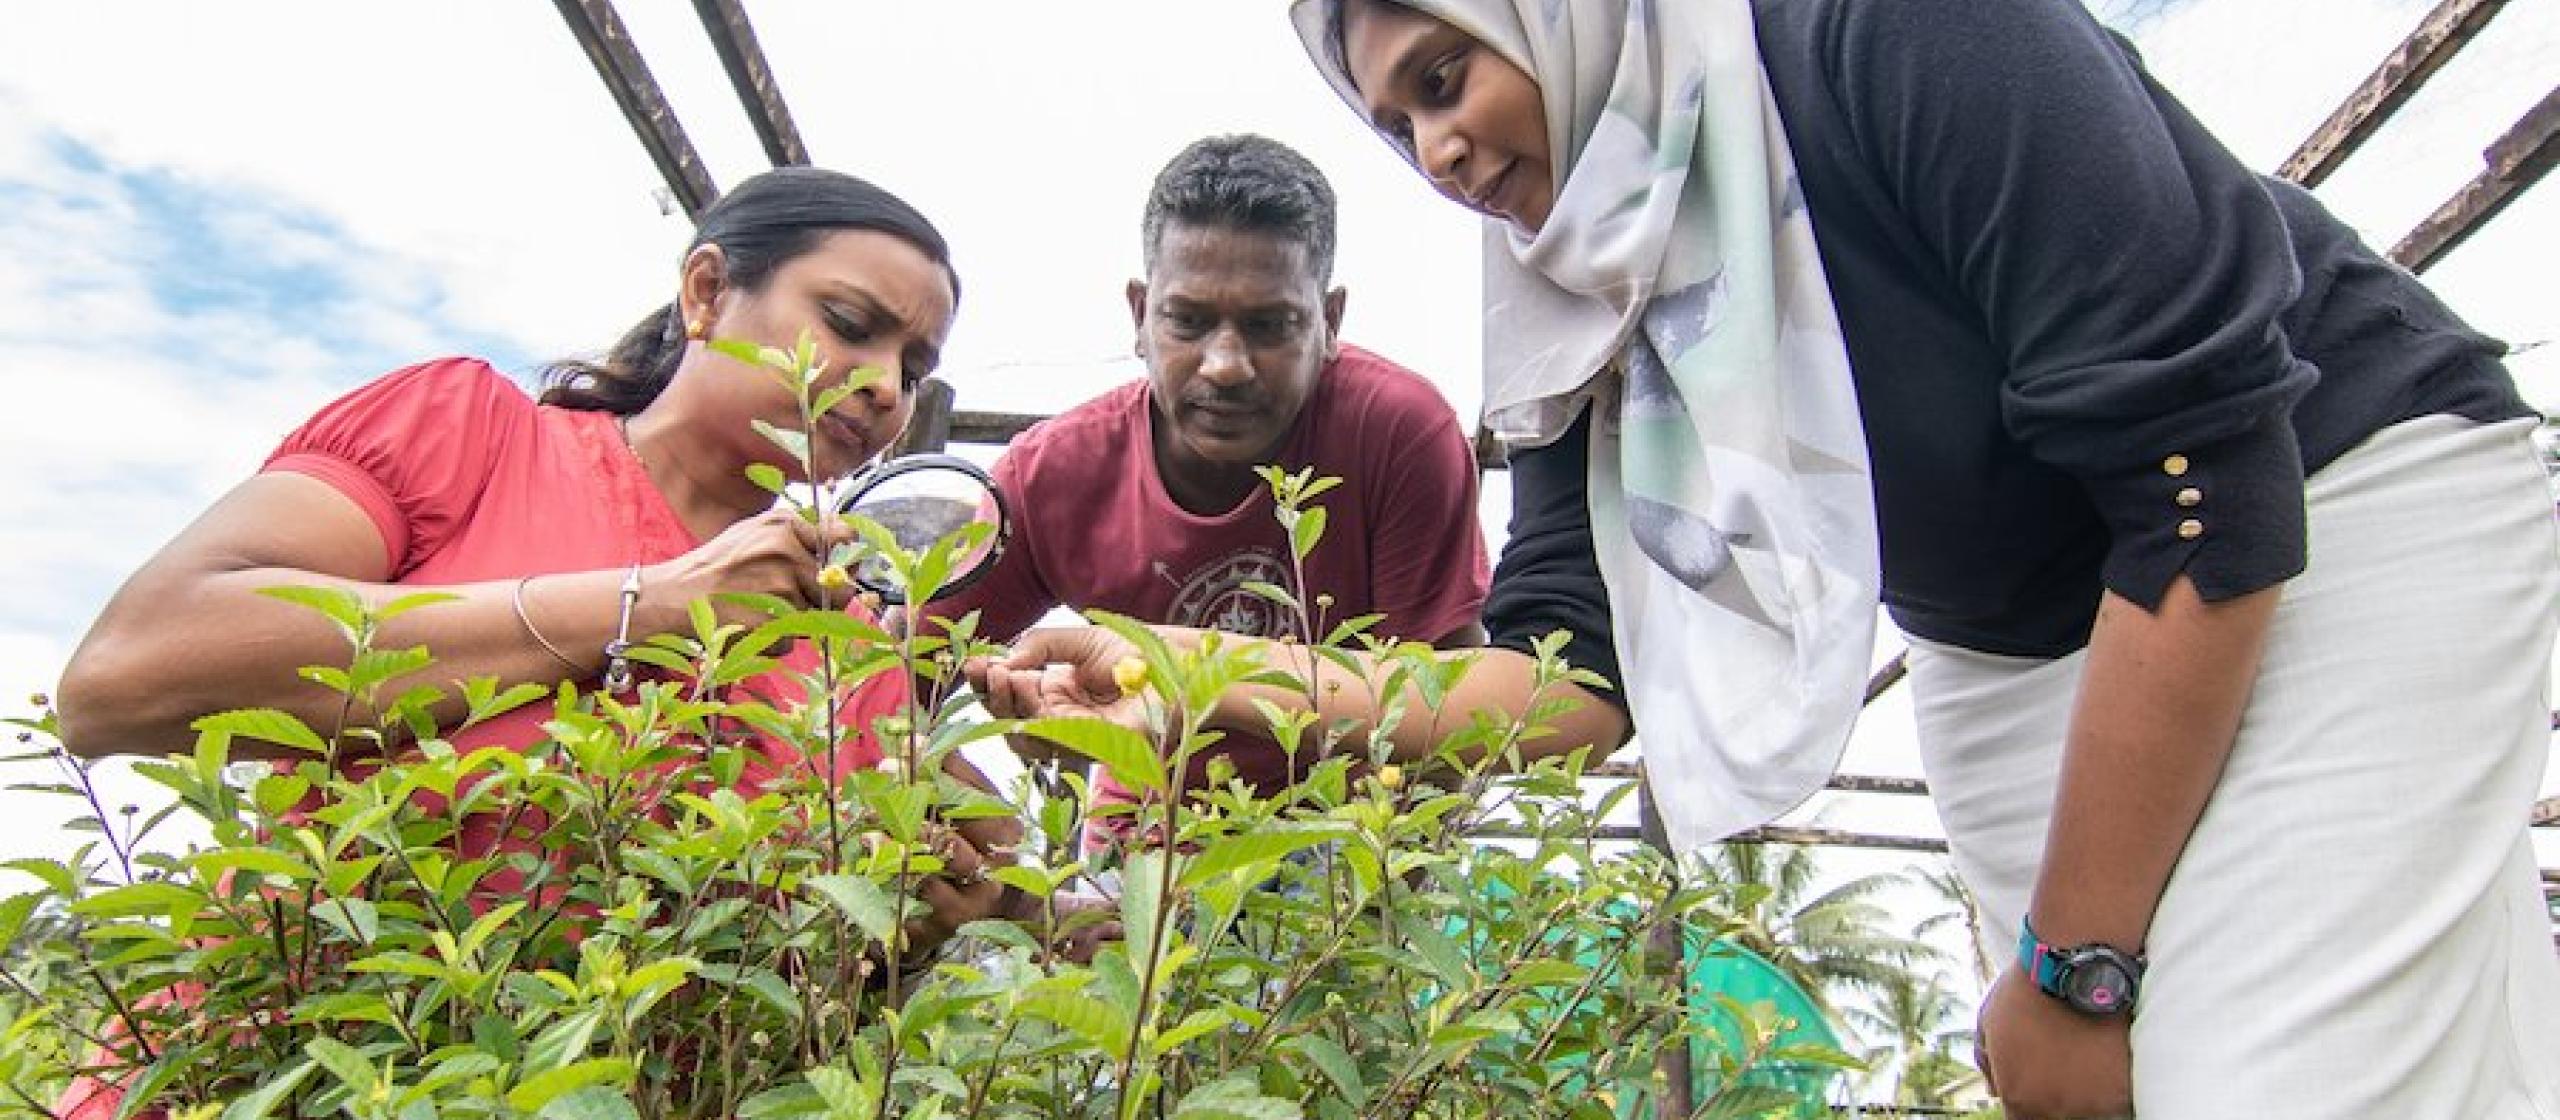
(1832, 944)
(1911, 1019)
(1943, 883)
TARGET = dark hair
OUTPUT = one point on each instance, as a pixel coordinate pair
(763, 224)
(1250, 184)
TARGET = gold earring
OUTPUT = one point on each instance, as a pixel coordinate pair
(694, 330)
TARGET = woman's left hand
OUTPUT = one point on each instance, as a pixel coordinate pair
(2046, 1061)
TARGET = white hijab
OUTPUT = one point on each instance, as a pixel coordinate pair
(1677, 288)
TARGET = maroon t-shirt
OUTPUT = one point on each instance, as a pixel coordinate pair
(1095, 529)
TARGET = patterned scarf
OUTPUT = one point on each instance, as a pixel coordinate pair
(1677, 290)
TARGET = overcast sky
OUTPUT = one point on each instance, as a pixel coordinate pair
(214, 218)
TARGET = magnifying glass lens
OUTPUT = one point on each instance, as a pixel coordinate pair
(921, 502)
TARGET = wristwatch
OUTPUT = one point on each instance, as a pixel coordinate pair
(2090, 979)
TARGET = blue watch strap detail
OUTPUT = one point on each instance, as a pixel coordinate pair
(2038, 960)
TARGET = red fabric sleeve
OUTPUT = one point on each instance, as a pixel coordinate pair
(414, 449)
(1430, 574)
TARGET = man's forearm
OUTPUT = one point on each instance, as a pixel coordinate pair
(1501, 681)
(2160, 702)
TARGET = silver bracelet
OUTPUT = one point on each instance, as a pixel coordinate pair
(525, 618)
(617, 653)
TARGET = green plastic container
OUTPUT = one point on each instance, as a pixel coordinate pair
(1723, 969)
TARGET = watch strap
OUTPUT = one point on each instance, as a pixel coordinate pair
(2041, 962)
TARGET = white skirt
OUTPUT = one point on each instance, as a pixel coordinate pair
(2357, 927)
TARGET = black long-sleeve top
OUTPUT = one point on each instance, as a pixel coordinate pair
(2091, 349)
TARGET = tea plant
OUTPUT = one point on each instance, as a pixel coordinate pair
(671, 931)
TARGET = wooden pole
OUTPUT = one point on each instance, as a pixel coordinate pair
(928, 428)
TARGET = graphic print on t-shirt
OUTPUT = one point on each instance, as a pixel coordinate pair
(1214, 597)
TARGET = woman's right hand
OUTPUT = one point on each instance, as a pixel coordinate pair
(775, 553)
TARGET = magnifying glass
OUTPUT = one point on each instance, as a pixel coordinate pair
(921, 499)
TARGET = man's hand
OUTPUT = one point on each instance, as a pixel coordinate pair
(961, 893)
(1074, 927)
(1057, 674)
(2047, 1062)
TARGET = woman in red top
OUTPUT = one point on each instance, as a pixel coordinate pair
(446, 477)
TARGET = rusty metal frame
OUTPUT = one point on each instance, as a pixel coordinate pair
(2443, 33)
(734, 39)
(608, 45)
(2518, 160)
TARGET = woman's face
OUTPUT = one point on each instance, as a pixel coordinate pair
(868, 300)
(1472, 121)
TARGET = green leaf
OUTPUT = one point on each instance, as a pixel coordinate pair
(1193, 1026)
(1335, 1063)
(487, 704)
(740, 349)
(266, 724)
(1128, 755)
(357, 1007)
(797, 1098)
(1235, 1097)
(768, 478)
(354, 918)
(1447, 960)
(1273, 592)
(407, 603)
(276, 793)
(256, 861)
(144, 1090)
(795, 444)
(346, 1063)
(1103, 1026)
(55, 875)
(846, 1095)
(540, 1089)
(1309, 530)
(138, 900)
(340, 605)
(256, 1104)
(1253, 850)
(1547, 973)
(860, 900)
(828, 399)
(13, 916)
(766, 985)
(565, 1040)
(595, 1102)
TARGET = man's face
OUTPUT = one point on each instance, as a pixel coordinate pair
(1235, 327)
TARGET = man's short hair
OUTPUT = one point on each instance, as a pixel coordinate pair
(1249, 184)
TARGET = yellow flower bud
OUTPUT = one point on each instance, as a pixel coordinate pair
(1391, 776)
(833, 577)
(1130, 674)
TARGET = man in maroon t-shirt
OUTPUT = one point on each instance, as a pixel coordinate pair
(1144, 501)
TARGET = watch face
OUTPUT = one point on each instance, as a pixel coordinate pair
(2098, 986)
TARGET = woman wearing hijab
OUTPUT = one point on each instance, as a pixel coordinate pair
(2227, 564)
